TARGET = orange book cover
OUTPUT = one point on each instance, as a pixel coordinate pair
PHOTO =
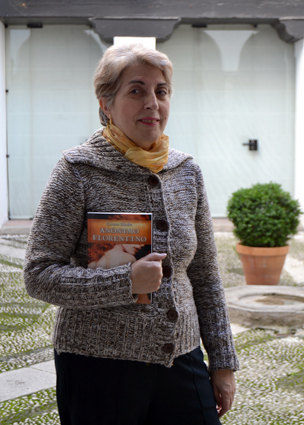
(115, 239)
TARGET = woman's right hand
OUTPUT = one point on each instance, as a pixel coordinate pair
(147, 273)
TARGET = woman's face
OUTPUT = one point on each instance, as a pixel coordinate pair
(141, 105)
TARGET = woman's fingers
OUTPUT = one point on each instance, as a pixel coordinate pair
(154, 256)
(223, 384)
(147, 273)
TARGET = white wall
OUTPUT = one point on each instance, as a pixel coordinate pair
(233, 83)
(3, 169)
(149, 42)
(51, 105)
(299, 125)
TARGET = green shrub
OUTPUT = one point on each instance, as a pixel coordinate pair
(263, 215)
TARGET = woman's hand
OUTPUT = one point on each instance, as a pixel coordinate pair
(223, 384)
(147, 273)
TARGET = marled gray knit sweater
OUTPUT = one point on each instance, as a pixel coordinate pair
(98, 315)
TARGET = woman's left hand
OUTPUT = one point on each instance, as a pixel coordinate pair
(223, 385)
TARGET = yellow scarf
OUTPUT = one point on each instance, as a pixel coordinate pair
(154, 159)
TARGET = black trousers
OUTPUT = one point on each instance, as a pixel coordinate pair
(97, 391)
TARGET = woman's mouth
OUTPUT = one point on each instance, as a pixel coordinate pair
(149, 121)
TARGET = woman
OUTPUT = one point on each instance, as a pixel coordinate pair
(117, 361)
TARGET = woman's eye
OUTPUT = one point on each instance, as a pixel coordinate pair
(134, 91)
(162, 92)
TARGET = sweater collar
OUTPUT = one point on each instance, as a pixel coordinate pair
(99, 153)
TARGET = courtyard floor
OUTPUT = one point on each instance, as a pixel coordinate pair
(270, 384)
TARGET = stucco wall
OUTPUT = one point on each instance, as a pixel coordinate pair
(3, 172)
(299, 125)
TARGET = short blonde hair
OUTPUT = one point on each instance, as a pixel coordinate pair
(115, 60)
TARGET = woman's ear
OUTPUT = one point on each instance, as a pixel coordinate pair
(103, 105)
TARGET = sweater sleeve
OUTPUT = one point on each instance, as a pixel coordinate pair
(48, 273)
(208, 290)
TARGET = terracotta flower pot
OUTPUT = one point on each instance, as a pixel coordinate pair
(262, 266)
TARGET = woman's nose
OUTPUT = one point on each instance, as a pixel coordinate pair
(151, 102)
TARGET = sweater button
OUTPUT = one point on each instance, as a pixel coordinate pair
(168, 348)
(167, 271)
(153, 180)
(162, 225)
(172, 315)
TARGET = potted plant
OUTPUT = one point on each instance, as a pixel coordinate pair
(265, 217)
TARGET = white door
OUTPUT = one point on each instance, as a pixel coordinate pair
(51, 104)
(233, 84)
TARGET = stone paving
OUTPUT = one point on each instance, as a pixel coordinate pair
(40, 376)
(29, 379)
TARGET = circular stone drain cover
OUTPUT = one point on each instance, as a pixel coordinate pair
(266, 305)
(276, 299)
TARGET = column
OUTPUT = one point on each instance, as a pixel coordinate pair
(299, 125)
(3, 161)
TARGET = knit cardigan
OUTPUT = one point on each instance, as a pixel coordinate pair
(98, 314)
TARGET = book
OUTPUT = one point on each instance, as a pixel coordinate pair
(115, 239)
